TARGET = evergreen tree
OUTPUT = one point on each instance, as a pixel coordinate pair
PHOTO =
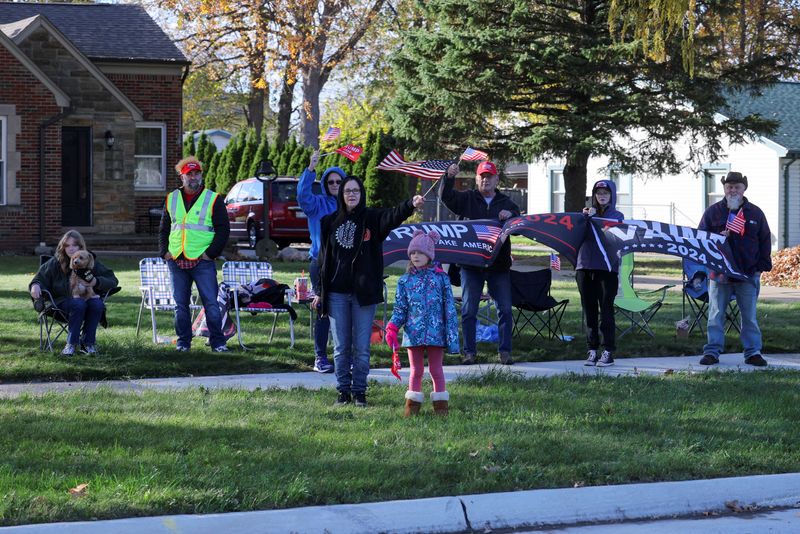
(248, 153)
(296, 162)
(384, 189)
(285, 156)
(360, 166)
(188, 145)
(209, 176)
(262, 153)
(549, 80)
(202, 149)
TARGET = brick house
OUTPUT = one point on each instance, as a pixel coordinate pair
(90, 121)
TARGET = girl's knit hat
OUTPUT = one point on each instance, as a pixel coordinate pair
(422, 242)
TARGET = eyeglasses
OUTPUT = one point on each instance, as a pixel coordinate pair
(334, 182)
(352, 191)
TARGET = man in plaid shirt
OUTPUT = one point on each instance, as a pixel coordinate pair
(751, 250)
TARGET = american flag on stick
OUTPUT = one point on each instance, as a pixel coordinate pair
(736, 222)
(351, 152)
(332, 134)
(431, 169)
(555, 262)
(470, 154)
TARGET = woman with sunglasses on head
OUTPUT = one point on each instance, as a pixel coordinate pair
(316, 206)
(351, 264)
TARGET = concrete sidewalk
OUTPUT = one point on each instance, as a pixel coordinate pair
(311, 380)
(601, 508)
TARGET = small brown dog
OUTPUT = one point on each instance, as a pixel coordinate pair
(81, 261)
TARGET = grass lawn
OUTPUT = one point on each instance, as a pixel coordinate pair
(204, 451)
(123, 355)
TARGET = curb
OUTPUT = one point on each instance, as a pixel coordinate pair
(533, 509)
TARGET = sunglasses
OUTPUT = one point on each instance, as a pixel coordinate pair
(334, 182)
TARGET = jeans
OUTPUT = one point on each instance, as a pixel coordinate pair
(323, 324)
(719, 296)
(500, 289)
(351, 326)
(598, 290)
(82, 313)
(204, 275)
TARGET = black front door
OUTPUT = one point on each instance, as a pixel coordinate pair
(76, 182)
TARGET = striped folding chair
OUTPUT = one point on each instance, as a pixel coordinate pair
(156, 289)
(237, 273)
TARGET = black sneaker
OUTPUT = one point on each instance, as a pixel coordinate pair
(605, 359)
(468, 359)
(360, 399)
(756, 360)
(592, 357)
(181, 348)
(344, 398)
(709, 359)
(221, 348)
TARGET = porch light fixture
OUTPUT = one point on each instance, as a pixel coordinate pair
(109, 139)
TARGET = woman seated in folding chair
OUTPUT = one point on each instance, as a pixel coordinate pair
(75, 281)
(598, 278)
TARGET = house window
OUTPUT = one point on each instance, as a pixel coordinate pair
(150, 156)
(557, 190)
(3, 144)
(715, 191)
(624, 192)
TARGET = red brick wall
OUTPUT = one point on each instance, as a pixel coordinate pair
(160, 97)
(19, 224)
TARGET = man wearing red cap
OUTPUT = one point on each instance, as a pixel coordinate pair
(194, 230)
(484, 202)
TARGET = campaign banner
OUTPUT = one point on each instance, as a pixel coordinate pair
(700, 246)
(471, 243)
(563, 232)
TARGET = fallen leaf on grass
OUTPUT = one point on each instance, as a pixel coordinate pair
(473, 454)
(491, 468)
(79, 490)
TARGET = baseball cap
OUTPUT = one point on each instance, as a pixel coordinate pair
(191, 166)
(487, 166)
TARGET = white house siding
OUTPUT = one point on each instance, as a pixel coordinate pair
(794, 204)
(680, 198)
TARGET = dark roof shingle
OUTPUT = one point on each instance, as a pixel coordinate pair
(779, 102)
(103, 31)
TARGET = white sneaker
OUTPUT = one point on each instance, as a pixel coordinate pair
(69, 350)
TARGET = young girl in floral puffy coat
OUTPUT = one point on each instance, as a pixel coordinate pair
(424, 306)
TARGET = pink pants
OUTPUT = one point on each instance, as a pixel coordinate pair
(416, 356)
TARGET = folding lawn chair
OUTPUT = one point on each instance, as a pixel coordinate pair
(695, 294)
(534, 306)
(630, 304)
(238, 273)
(52, 320)
(156, 289)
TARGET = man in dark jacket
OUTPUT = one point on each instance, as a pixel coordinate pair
(194, 229)
(747, 232)
(484, 202)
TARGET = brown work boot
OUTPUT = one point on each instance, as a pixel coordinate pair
(440, 402)
(413, 403)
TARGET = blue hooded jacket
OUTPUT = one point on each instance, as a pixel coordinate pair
(316, 206)
(591, 255)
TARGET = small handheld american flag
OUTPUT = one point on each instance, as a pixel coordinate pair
(555, 262)
(736, 222)
(332, 134)
(470, 154)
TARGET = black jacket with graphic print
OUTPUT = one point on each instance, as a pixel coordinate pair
(367, 256)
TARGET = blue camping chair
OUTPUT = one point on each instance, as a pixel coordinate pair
(695, 294)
